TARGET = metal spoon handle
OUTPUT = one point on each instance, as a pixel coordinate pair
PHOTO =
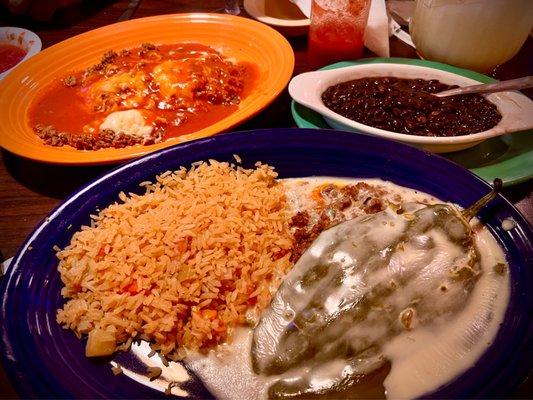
(513, 84)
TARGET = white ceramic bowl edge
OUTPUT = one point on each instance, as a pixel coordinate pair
(307, 88)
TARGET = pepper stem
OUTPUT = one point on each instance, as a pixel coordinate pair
(471, 211)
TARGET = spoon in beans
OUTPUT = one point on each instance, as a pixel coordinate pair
(502, 86)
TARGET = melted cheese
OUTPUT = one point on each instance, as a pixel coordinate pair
(124, 88)
(422, 359)
(173, 78)
(129, 122)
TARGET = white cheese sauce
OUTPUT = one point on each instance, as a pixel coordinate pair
(425, 359)
(422, 359)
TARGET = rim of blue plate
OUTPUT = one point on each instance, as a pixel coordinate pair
(30, 290)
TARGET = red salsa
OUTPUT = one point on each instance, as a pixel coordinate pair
(10, 56)
(175, 89)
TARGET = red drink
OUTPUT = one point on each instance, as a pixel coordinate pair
(337, 30)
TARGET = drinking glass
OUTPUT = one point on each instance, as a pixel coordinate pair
(337, 29)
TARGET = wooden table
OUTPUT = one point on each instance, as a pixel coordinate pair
(29, 190)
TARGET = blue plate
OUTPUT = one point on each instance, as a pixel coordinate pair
(46, 361)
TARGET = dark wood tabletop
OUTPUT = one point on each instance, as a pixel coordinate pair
(29, 190)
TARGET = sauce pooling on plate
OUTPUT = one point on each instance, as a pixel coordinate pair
(407, 106)
(448, 314)
(141, 96)
(10, 56)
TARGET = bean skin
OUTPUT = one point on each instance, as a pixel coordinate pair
(407, 106)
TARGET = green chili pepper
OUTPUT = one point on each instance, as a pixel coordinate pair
(360, 284)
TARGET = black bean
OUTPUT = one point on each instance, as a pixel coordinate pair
(407, 106)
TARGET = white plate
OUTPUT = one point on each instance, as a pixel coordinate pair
(307, 88)
(280, 14)
(19, 37)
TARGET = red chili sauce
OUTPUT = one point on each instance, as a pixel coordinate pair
(10, 56)
(178, 88)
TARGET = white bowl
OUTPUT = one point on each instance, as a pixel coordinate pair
(23, 38)
(270, 12)
(307, 88)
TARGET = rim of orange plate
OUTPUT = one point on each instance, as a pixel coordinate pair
(236, 37)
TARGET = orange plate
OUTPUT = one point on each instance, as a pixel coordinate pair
(236, 37)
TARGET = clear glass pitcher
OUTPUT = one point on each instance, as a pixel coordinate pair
(473, 34)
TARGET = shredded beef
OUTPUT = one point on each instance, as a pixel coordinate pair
(106, 138)
(367, 198)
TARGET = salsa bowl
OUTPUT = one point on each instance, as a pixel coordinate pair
(23, 38)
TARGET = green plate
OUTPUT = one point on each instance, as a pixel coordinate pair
(508, 157)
